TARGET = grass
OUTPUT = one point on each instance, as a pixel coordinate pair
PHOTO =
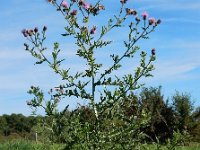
(191, 147)
(28, 145)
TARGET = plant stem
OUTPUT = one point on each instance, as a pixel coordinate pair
(93, 92)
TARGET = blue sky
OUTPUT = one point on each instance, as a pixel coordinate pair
(177, 41)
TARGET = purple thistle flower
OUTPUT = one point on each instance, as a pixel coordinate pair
(93, 30)
(44, 28)
(74, 12)
(29, 102)
(159, 21)
(137, 19)
(131, 12)
(152, 21)
(101, 7)
(36, 30)
(153, 51)
(50, 1)
(145, 15)
(81, 2)
(86, 6)
(29, 32)
(64, 4)
(24, 32)
(123, 1)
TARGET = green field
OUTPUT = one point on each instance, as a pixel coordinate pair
(27, 145)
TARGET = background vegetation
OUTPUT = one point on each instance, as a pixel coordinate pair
(114, 117)
(173, 117)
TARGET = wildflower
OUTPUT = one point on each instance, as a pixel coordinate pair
(153, 51)
(81, 2)
(145, 15)
(86, 6)
(101, 7)
(51, 1)
(74, 12)
(159, 21)
(93, 30)
(44, 28)
(29, 103)
(29, 32)
(24, 32)
(152, 21)
(36, 30)
(131, 12)
(64, 4)
(123, 1)
(137, 19)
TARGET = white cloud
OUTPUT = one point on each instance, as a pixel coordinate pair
(174, 70)
(181, 20)
(169, 5)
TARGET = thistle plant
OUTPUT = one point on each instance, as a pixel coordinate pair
(109, 123)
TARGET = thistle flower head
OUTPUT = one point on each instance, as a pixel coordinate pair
(153, 51)
(74, 12)
(50, 1)
(145, 15)
(93, 30)
(29, 103)
(24, 32)
(86, 6)
(152, 21)
(29, 32)
(159, 21)
(101, 7)
(131, 12)
(123, 1)
(81, 2)
(36, 29)
(64, 4)
(44, 28)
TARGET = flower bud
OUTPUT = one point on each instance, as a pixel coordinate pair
(81, 2)
(137, 19)
(101, 7)
(86, 6)
(93, 30)
(123, 1)
(24, 32)
(29, 32)
(44, 28)
(64, 4)
(153, 51)
(74, 12)
(36, 30)
(29, 103)
(131, 12)
(145, 15)
(51, 1)
(159, 21)
(152, 21)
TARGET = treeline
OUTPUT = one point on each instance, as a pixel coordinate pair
(16, 126)
(165, 117)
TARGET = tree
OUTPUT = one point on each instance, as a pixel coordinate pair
(195, 125)
(112, 89)
(183, 108)
(163, 121)
(3, 126)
